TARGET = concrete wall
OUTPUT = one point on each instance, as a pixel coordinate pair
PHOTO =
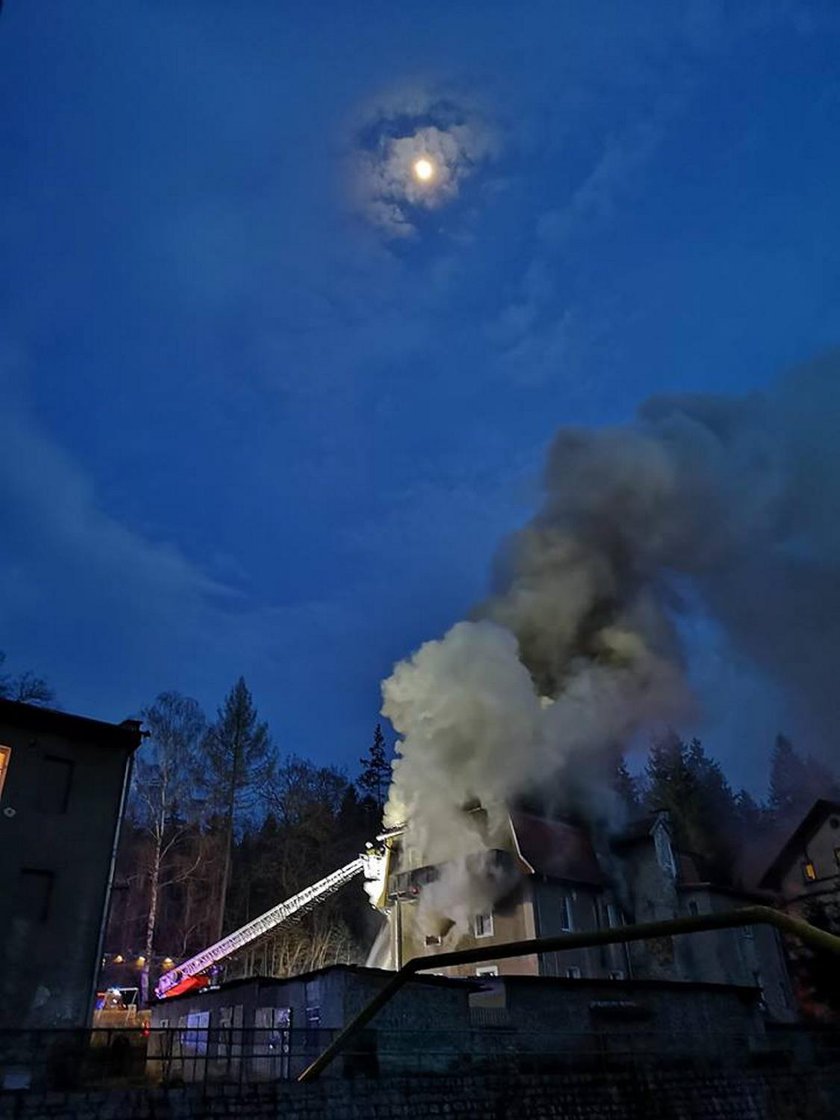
(426, 1014)
(751, 955)
(60, 815)
(678, 1094)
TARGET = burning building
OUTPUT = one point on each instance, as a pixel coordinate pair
(538, 877)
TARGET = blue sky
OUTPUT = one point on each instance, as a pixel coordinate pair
(247, 427)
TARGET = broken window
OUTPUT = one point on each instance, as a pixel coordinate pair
(483, 925)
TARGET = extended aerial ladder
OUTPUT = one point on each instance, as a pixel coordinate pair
(288, 911)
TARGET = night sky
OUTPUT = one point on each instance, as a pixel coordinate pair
(268, 409)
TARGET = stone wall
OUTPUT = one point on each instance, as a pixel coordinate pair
(664, 1094)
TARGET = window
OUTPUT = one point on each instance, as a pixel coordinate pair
(573, 972)
(664, 853)
(693, 909)
(566, 915)
(34, 894)
(836, 850)
(748, 933)
(617, 974)
(433, 939)
(613, 916)
(834, 822)
(194, 1038)
(487, 970)
(483, 925)
(5, 756)
(313, 1025)
(53, 791)
(809, 871)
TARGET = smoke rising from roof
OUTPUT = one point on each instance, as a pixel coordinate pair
(734, 500)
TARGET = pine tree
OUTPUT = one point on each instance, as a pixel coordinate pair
(788, 782)
(626, 788)
(239, 762)
(376, 774)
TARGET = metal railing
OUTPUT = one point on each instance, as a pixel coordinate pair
(173, 1056)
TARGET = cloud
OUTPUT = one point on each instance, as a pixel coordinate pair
(391, 136)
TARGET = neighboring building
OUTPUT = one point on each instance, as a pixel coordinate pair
(272, 1029)
(807, 867)
(561, 883)
(63, 780)
(805, 878)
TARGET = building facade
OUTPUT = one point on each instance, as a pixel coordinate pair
(564, 880)
(805, 879)
(63, 780)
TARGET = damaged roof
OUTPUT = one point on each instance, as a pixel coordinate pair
(556, 849)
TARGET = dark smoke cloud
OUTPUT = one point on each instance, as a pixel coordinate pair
(729, 501)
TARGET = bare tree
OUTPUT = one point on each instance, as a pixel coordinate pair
(26, 687)
(164, 802)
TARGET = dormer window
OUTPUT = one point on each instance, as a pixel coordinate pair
(664, 852)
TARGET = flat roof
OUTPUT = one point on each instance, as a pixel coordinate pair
(354, 969)
(50, 721)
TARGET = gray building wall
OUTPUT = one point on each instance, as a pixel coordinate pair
(60, 811)
(313, 1007)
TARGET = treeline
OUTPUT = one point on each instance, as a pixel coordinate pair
(730, 835)
(219, 828)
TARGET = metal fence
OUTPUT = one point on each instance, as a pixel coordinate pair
(68, 1059)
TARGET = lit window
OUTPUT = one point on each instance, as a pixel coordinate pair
(5, 755)
(566, 923)
(809, 872)
(573, 972)
(483, 925)
(487, 970)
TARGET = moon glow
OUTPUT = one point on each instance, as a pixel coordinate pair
(424, 169)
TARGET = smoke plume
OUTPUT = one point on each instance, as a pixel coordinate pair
(729, 502)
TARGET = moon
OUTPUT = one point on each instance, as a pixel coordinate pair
(424, 169)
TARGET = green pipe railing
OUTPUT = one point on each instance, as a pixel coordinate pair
(746, 916)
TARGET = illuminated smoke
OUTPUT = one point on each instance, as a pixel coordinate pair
(729, 501)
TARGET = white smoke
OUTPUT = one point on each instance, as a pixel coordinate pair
(735, 498)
